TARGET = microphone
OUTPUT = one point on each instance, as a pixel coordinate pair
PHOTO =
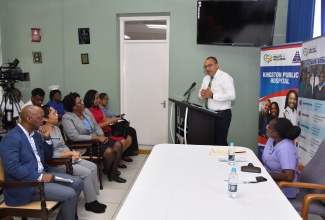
(189, 89)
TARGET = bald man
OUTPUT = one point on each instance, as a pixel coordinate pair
(23, 151)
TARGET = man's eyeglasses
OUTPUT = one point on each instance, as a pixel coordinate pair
(208, 66)
(81, 102)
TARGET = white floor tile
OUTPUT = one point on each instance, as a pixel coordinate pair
(110, 195)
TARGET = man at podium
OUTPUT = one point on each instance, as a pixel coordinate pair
(218, 91)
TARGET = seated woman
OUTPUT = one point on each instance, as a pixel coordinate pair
(91, 103)
(79, 125)
(280, 156)
(134, 147)
(85, 169)
(55, 102)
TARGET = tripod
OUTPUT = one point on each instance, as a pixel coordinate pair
(10, 110)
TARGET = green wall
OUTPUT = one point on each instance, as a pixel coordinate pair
(60, 19)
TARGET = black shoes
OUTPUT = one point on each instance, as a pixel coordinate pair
(116, 179)
(117, 172)
(123, 166)
(101, 204)
(95, 207)
(127, 159)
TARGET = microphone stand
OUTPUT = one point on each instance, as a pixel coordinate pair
(187, 98)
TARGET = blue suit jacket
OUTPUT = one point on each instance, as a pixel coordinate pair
(20, 163)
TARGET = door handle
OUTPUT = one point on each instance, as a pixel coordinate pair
(164, 104)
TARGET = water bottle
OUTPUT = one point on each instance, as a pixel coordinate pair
(231, 154)
(232, 183)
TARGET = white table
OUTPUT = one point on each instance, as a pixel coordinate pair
(185, 182)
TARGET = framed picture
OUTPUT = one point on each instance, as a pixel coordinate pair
(37, 57)
(84, 58)
(84, 35)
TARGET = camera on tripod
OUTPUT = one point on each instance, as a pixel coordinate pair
(10, 74)
(9, 106)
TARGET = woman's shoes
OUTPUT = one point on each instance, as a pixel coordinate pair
(117, 173)
(127, 159)
(95, 207)
(123, 166)
(116, 179)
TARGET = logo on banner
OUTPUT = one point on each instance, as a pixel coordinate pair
(296, 58)
(309, 50)
(267, 58)
(279, 57)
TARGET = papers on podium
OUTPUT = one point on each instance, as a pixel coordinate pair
(63, 180)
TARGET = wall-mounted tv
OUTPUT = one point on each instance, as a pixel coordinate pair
(236, 23)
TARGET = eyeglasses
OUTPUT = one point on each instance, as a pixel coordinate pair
(55, 112)
(81, 102)
(267, 127)
(208, 66)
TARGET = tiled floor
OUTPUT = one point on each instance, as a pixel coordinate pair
(113, 193)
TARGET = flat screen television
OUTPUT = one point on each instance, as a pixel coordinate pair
(236, 23)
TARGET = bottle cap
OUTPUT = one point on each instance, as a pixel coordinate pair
(233, 169)
(232, 143)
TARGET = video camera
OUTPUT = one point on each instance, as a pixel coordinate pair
(10, 74)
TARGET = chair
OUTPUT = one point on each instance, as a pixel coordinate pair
(311, 195)
(37, 209)
(98, 160)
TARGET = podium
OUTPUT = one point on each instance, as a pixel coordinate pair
(193, 124)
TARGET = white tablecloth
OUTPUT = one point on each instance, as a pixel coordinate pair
(185, 182)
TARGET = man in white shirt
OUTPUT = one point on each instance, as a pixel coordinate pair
(37, 97)
(218, 90)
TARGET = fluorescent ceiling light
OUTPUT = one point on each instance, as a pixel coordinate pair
(157, 26)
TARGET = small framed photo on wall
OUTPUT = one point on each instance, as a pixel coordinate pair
(37, 57)
(84, 58)
(84, 35)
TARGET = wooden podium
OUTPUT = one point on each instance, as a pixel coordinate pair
(193, 124)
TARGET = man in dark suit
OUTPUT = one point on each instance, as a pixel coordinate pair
(23, 151)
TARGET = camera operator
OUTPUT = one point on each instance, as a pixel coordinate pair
(14, 103)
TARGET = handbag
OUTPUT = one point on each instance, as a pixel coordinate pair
(119, 129)
(250, 168)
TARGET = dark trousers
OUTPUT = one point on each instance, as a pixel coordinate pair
(134, 145)
(221, 126)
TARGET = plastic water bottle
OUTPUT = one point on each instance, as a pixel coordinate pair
(232, 183)
(231, 154)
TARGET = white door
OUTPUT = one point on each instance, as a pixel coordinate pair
(144, 83)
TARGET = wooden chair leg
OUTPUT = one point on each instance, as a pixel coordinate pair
(100, 175)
